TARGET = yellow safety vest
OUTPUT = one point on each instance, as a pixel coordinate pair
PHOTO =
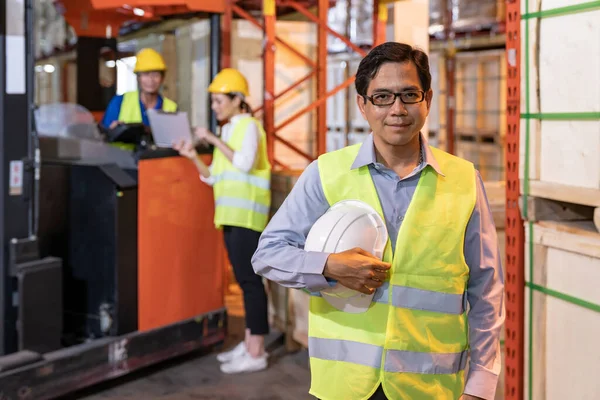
(131, 113)
(413, 338)
(242, 199)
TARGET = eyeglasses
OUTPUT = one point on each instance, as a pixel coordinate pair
(387, 99)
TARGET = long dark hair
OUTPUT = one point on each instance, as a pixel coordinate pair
(243, 105)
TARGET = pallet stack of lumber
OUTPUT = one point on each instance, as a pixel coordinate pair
(560, 186)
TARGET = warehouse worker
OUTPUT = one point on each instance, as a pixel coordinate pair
(240, 174)
(131, 107)
(415, 338)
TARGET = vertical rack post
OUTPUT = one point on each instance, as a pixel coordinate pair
(269, 76)
(321, 136)
(515, 238)
(226, 35)
(215, 61)
(380, 17)
(450, 64)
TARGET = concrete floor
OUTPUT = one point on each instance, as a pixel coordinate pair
(199, 378)
(197, 375)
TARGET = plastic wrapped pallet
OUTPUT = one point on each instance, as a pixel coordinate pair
(357, 15)
(436, 16)
(473, 14)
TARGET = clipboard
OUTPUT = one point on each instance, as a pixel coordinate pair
(168, 128)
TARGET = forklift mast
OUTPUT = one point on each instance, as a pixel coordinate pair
(77, 304)
(17, 159)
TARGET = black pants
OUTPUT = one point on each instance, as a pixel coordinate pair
(378, 395)
(241, 243)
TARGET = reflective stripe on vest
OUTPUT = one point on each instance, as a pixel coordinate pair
(395, 360)
(419, 299)
(248, 205)
(413, 339)
(242, 177)
(242, 199)
(131, 113)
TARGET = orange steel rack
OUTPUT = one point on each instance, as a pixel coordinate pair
(319, 66)
(515, 237)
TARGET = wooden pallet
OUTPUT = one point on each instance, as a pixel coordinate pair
(554, 202)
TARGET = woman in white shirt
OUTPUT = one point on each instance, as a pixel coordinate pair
(240, 174)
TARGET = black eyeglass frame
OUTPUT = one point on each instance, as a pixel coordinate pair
(397, 95)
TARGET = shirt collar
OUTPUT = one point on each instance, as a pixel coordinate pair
(159, 103)
(238, 117)
(366, 155)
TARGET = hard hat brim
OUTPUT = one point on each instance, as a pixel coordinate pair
(356, 304)
(137, 71)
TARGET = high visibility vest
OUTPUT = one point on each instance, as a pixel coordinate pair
(131, 113)
(413, 338)
(242, 199)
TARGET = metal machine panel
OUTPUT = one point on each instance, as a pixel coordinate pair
(40, 305)
(101, 278)
(88, 217)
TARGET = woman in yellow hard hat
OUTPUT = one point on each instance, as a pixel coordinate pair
(131, 107)
(240, 174)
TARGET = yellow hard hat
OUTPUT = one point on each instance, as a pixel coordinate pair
(229, 80)
(149, 60)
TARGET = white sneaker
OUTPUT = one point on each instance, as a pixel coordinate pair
(234, 353)
(245, 363)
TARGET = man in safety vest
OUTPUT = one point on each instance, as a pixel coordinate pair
(415, 337)
(131, 107)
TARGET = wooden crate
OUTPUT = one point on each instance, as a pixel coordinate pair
(564, 148)
(563, 357)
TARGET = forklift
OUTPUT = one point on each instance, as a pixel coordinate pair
(110, 260)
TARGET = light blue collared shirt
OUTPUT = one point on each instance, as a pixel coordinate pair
(280, 256)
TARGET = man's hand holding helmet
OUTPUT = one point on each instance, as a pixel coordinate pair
(357, 269)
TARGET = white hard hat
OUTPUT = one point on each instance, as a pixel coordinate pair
(346, 225)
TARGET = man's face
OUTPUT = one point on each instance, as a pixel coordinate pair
(150, 81)
(399, 123)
